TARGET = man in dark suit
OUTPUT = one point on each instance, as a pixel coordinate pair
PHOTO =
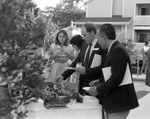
(90, 57)
(116, 99)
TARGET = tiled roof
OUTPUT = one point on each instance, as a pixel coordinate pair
(100, 20)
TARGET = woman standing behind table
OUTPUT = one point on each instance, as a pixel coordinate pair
(145, 55)
(60, 52)
(76, 42)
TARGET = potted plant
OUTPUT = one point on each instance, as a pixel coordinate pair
(21, 35)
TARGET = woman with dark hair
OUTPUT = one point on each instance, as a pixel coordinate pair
(60, 52)
(62, 42)
(77, 42)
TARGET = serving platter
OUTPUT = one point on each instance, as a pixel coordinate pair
(86, 88)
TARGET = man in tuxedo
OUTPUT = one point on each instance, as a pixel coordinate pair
(117, 100)
(91, 57)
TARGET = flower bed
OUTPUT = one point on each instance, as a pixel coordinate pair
(54, 95)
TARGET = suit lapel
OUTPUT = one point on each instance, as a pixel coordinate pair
(83, 53)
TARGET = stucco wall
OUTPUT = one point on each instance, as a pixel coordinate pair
(99, 8)
(129, 7)
(130, 31)
(117, 7)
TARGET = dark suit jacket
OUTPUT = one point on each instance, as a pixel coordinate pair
(91, 73)
(115, 98)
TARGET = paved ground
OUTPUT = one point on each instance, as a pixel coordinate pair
(143, 94)
(140, 77)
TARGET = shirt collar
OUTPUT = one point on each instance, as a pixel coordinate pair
(94, 42)
(111, 45)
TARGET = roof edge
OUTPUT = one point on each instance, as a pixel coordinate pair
(98, 23)
(88, 1)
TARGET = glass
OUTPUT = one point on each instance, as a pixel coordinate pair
(73, 101)
(79, 64)
(62, 54)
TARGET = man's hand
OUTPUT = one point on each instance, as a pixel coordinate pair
(93, 91)
(59, 78)
(94, 83)
(80, 70)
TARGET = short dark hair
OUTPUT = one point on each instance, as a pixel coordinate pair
(90, 27)
(65, 33)
(77, 40)
(108, 30)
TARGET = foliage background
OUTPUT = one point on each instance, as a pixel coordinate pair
(22, 36)
(66, 11)
(25, 31)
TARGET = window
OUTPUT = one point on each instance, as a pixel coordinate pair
(143, 37)
(145, 11)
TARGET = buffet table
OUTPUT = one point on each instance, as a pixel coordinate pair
(72, 111)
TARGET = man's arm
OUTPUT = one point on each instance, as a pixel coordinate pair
(68, 72)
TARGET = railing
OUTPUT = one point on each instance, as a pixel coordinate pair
(142, 20)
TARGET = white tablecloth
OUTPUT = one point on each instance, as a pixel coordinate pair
(75, 111)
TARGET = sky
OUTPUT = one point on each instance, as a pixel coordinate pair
(52, 3)
(43, 3)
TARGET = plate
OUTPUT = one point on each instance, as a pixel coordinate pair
(86, 88)
(71, 68)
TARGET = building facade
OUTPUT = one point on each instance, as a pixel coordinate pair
(129, 17)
